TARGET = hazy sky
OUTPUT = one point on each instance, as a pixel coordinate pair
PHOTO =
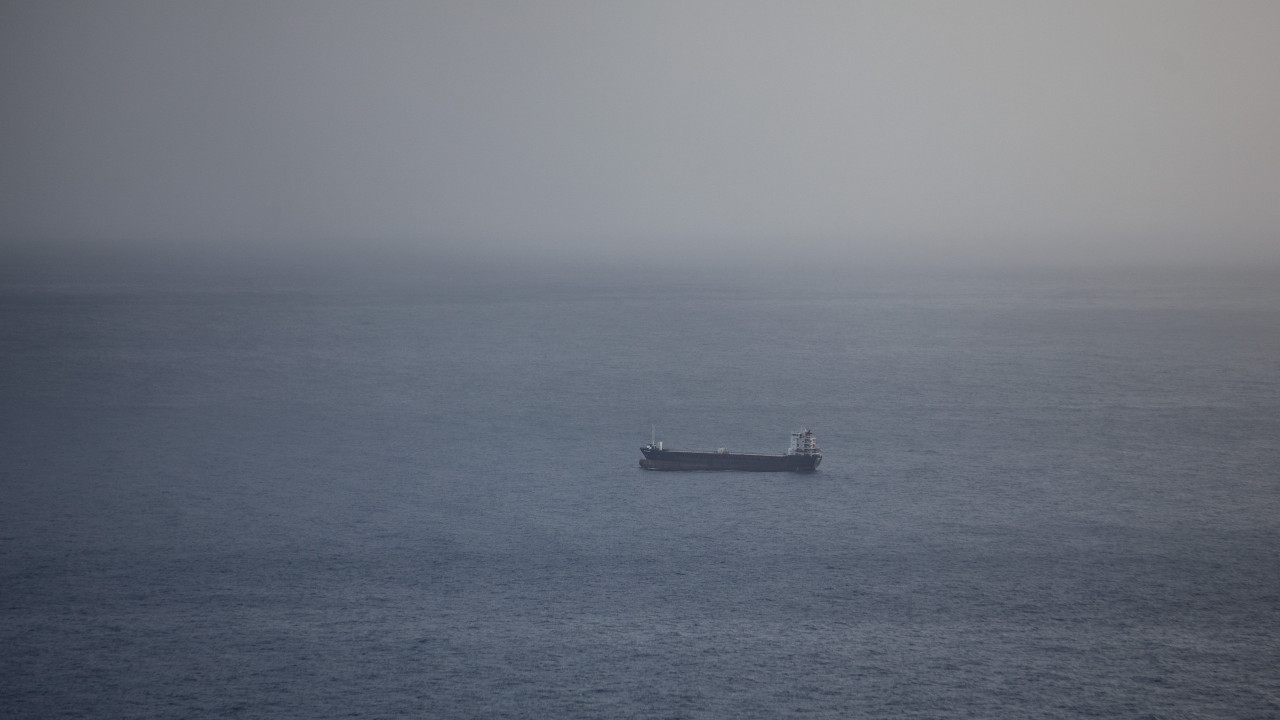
(1057, 131)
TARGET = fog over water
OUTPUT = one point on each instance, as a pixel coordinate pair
(330, 332)
(977, 132)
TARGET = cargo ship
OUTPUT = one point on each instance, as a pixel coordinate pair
(803, 456)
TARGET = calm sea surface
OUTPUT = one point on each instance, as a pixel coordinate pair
(1043, 495)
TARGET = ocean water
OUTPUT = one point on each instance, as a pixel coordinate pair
(1044, 495)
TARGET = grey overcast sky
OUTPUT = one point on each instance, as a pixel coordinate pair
(1069, 131)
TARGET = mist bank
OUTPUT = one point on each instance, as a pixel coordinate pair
(512, 271)
(337, 139)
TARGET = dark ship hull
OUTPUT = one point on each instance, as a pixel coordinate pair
(680, 460)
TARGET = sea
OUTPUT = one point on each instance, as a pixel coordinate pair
(1044, 494)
